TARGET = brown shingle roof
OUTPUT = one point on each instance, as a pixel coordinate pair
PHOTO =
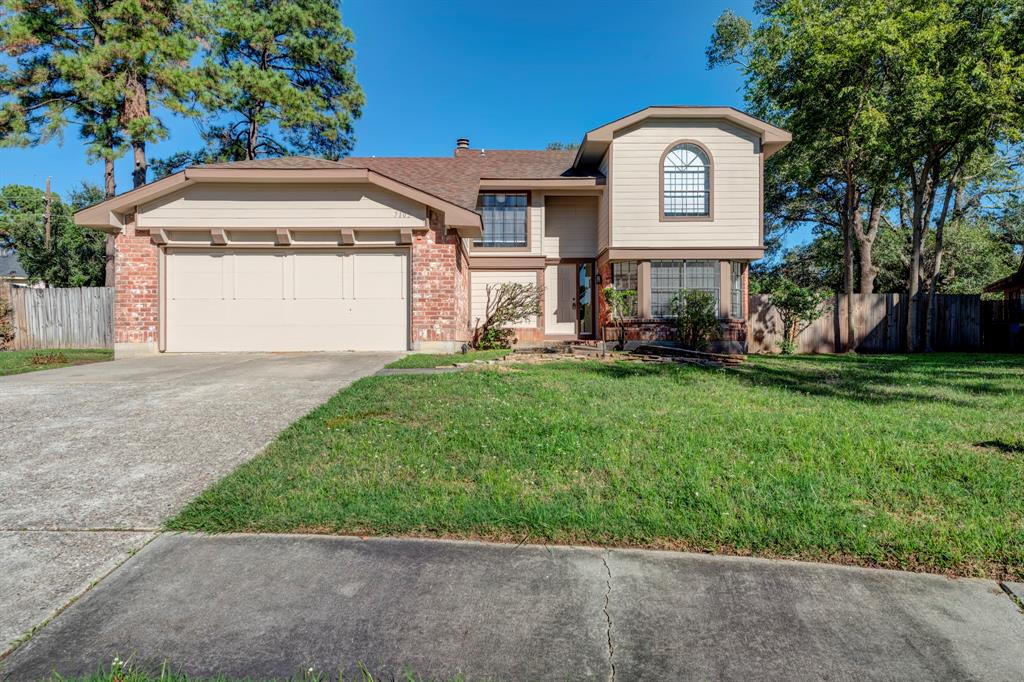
(279, 163)
(453, 178)
(457, 179)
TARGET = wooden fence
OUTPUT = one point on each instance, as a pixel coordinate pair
(880, 321)
(62, 318)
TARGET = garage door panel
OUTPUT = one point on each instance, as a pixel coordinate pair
(320, 276)
(259, 276)
(379, 276)
(286, 301)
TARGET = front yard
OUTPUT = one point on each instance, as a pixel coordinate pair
(906, 462)
(18, 361)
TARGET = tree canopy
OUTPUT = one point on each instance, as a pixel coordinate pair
(75, 256)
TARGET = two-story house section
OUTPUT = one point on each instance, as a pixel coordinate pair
(396, 253)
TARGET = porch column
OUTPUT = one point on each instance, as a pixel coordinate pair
(643, 288)
(725, 290)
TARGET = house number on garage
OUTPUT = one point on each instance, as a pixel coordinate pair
(402, 214)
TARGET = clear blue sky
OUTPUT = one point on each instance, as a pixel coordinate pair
(507, 75)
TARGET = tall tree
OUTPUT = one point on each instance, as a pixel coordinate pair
(817, 69)
(278, 79)
(956, 92)
(104, 65)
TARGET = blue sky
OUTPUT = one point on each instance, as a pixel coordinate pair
(506, 75)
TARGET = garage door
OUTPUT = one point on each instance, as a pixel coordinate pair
(286, 300)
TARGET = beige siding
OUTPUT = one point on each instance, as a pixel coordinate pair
(479, 281)
(570, 227)
(635, 192)
(288, 205)
(604, 206)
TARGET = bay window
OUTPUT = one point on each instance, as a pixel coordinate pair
(669, 277)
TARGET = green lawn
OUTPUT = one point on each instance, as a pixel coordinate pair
(18, 361)
(906, 462)
(425, 360)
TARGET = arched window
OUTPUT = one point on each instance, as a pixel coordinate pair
(685, 182)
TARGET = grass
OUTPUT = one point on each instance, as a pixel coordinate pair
(18, 361)
(906, 462)
(427, 360)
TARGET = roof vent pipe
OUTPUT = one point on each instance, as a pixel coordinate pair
(462, 143)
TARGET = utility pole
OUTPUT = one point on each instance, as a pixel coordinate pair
(46, 214)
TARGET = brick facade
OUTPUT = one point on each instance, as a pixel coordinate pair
(440, 286)
(137, 282)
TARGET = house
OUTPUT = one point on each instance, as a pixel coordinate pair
(11, 271)
(1012, 287)
(295, 253)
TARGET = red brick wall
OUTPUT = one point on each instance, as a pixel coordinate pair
(137, 288)
(439, 286)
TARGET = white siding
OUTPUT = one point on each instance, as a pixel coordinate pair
(478, 291)
(570, 227)
(636, 157)
(285, 205)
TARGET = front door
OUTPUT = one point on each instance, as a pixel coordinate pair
(585, 303)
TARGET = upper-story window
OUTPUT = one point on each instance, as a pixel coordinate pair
(504, 218)
(686, 182)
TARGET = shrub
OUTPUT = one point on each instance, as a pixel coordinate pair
(620, 306)
(507, 304)
(696, 318)
(6, 325)
(797, 307)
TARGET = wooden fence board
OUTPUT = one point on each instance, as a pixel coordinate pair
(880, 321)
(80, 317)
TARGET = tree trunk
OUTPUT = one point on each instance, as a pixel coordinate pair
(866, 244)
(252, 138)
(851, 213)
(136, 107)
(933, 283)
(109, 190)
(109, 182)
(921, 191)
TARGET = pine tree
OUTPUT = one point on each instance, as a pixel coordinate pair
(278, 80)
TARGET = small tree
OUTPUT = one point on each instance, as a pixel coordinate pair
(696, 318)
(507, 304)
(797, 306)
(621, 304)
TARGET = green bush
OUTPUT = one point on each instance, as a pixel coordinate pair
(696, 318)
(494, 337)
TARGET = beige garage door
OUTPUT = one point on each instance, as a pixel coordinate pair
(286, 300)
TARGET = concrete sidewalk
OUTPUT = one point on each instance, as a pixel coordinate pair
(271, 605)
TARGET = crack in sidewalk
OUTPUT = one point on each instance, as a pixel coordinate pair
(608, 616)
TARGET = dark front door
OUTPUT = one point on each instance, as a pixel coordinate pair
(585, 302)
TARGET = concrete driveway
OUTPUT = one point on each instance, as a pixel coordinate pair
(93, 458)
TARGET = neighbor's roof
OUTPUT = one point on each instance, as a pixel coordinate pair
(1014, 281)
(9, 265)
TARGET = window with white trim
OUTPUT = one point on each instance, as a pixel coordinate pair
(504, 219)
(669, 277)
(686, 182)
(736, 282)
(624, 277)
